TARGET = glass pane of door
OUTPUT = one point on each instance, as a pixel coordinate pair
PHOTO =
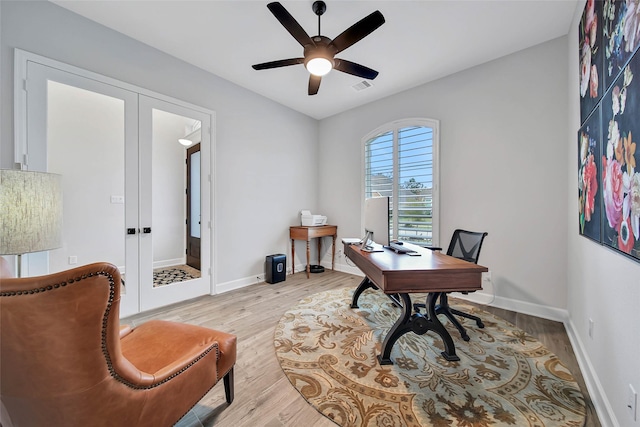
(85, 142)
(171, 188)
(85, 131)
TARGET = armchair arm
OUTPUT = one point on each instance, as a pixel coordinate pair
(125, 330)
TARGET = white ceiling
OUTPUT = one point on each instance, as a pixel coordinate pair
(420, 41)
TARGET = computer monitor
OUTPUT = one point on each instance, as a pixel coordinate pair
(376, 221)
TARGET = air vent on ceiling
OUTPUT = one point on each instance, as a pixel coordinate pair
(362, 86)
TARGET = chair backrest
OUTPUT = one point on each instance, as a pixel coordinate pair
(59, 335)
(466, 245)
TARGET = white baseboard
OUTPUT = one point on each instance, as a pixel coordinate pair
(169, 262)
(596, 393)
(221, 288)
(524, 307)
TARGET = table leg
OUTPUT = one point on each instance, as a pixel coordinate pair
(419, 324)
(293, 251)
(308, 267)
(319, 248)
(363, 286)
(333, 251)
(401, 327)
(449, 352)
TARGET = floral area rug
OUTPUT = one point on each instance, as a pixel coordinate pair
(505, 377)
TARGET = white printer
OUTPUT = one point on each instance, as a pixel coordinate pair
(309, 220)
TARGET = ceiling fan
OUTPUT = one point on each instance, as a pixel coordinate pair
(319, 51)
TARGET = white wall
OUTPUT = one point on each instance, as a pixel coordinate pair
(502, 134)
(602, 285)
(266, 166)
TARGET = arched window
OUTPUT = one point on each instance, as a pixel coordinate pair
(401, 161)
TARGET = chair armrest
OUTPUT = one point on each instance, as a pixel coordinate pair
(125, 330)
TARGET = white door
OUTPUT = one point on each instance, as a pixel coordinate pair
(169, 223)
(124, 180)
(86, 131)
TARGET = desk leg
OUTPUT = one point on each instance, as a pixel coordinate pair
(319, 248)
(401, 327)
(293, 261)
(308, 252)
(419, 324)
(449, 352)
(333, 251)
(363, 286)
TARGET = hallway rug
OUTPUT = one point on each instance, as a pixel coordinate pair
(505, 377)
(169, 275)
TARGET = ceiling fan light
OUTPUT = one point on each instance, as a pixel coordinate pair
(319, 66)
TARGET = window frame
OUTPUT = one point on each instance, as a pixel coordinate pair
(394, 127)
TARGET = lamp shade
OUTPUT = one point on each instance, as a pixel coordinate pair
(30, 212)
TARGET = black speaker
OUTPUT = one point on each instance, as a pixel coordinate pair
(276, 268)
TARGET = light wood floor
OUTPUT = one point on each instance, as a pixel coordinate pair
(263, 395)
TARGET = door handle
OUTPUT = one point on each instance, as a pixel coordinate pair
(131, 231)
(146, 230)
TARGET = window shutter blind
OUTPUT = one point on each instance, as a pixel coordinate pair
(399, 164)
(415, 185)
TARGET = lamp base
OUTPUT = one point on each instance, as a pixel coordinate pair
(19, 269)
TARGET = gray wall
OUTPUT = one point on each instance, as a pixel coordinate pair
(502, 166)
(265, 155)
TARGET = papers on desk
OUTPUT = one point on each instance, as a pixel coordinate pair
(350, 240)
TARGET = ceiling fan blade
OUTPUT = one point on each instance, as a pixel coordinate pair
(355, 69)
(290, 23)
(279, 63)
(357, 31)
(314, 84)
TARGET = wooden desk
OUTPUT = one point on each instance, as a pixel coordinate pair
(399, 275)
(308, 233)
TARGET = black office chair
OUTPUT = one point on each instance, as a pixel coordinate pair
(464, 245)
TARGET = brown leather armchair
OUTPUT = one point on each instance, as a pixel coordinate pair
(64, 360)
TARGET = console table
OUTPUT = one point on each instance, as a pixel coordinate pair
(308, 233)
(399, 275)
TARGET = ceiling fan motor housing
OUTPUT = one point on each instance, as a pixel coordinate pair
(321, 49)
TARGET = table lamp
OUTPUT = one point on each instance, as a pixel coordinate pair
(30, 212)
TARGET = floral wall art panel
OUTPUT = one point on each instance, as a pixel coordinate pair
(620, 182)
(589, 187)
(591, 57)
(621, 36)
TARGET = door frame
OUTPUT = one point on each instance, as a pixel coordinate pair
(192, 260)
(22, 59)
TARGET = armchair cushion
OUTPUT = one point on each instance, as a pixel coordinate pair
(162, 349)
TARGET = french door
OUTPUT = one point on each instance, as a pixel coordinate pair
(124, 181)
(164, 202)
